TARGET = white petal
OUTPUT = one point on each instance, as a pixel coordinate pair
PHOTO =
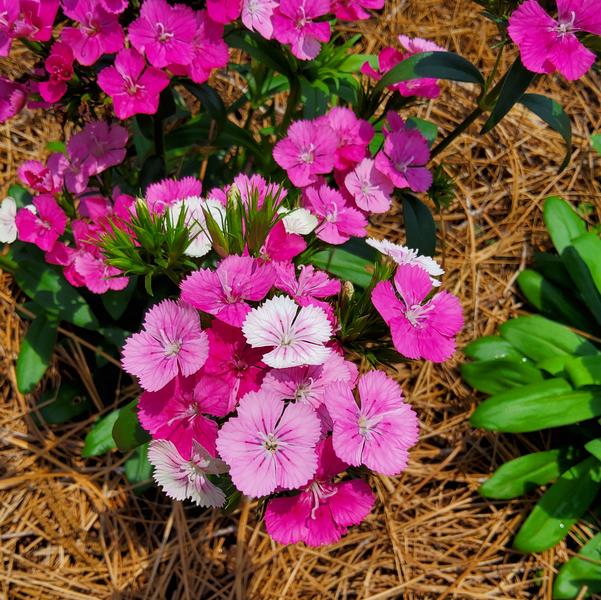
(8, 227)
(300, 221)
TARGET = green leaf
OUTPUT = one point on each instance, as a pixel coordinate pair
(562, 222)
(521, 475)
(514, 85)
(554, 365)
(490, 347)
(138, 469)
(561, 506)
(420, 228)
(498, 375)
(428, 129)
(596, 142)
(20, 195)
(594, 447)
(99, 439)
(554, 116)
(64, 404)
(36, 352)
(539, 338)
(56, 146)
(115, 302)
(582, 570)
(348, 262)
(209, 98)
(127, 431)
(552, 267)
(551, 403)
(437, 65)
(584, 370)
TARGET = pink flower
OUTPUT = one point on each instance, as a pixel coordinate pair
(133, 87)
(370, 189)
(171, 342)
(114, 6)
(296, 335)
(186, 479)
(306, 152)
(310, 285)
(224, 292)
(35, 19)
(59, 65)
(339, 221)
(379, 431)
(166, 192)
(323, 511)
(98, 33)
(419, 329)
(43, 226)
(9, 11)
(38, 177)
(256, 16)
(403, 160)
(175, 413)
(164, 33)
(269, 445)
(548, 44)
(97, 276)
(294, 24)
(12, 98)
(354, 10)
(223, 11)
(281, 245)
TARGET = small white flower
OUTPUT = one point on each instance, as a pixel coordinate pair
(298, 220)
(8, 226)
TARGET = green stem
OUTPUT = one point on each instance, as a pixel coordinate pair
(457, 131)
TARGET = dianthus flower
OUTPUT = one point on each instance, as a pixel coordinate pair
(44, 225)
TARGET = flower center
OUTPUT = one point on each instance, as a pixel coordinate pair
(162, 34)
(131, 87)
(90, 27)
(417, 314)
(319, 491)
(307, 155)
(565, 26)
(4, 18)
(332, 214)
(271, 443)
(401, 166)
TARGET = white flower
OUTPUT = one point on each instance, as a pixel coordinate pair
(296, 335)
(406, 256)
(298, 220)
(8, 226)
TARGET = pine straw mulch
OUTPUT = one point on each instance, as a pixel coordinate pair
(71, 529)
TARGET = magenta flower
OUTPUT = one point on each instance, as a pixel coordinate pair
(379, 431)
(370, 189)
(166, 192)
(96, 275)
(35, 19)
(224, 292)
(354, 10)
(98, 31)
(294, 24)
(59, 65)
(296, 335)
(133, 87)
(339, 222)
(403, 160)
(114, 6)
(164, 33)
(306, 152)
(256, 16)
(9, 11)
(171, 342)
(547, 44)
(310, 285)
(39, 177)
(41, 224)
(224, 11)
(269, 445)
(323, 511)
(419, 329)
(12, 98)
(186, 478)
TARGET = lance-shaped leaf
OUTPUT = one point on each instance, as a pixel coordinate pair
(420, 228)
(498, 375)
(127, 431)
(99, 439)
(584, 370)
(562, 222)
(583, 570)
(490, 347)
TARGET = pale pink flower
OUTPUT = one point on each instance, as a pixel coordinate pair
(166, 192)
(354, 10)
(306, 152)
(12, 98)
(269, 445)
(310, 284)
(379, 431)
(419, 329)
(8, 215)
(324, 509)
(407, 256)
(98, 276)
(297, 335)
(547, 44)
(294, 23)
(224, 11)
(186, 479)
(339, 222)
(225, 291)
(170, 342)
(43, 226)
(370, 189)
(256, 16)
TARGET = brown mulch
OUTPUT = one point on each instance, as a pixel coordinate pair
(72, 529)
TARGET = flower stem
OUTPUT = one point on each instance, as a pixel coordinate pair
(457, 131)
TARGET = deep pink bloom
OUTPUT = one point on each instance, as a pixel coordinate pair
(171, 342)
(379, 431)
(323, 511)
(225, 291)
(134, 88)
(547, 44)
(294, 24)
(354, 10)
(164, 33)
(224, 11)
(98, 276)
(310, 285)
(256, 15)
(9, 11)
(38, 177)
(98, 31)
(269, 445)
(419, 329)
(59, 65)
(166, 192)
(114, 6)
(281, 245)
(388, 58)
(43, 226)
(12, 98)
(35, 19)
(306, 152)
(370, 189)
(339, 222)
(403, 160)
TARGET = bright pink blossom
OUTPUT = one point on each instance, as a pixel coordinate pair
(225, 291)
(281, 245)
(134, 88)
(39, 177)
(35, 19)
(9, 11)
(547, 44)
(419, 329)
(379, 430)
(256, 16)
(43, 226)
(59, 65)
(339, 222)
(224, 11)
(324, 509)
(166, 192)
(306, 152)
(97, 275)
(170, 342)
(310, 285)
(269, 445)
(114, 6)
(370, 189)
(354, 10)
(12, 98)
(294, 23)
